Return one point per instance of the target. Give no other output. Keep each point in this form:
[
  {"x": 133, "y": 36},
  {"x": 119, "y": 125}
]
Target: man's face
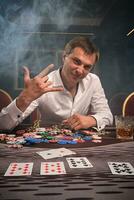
[{"x": 77, "y": 65}]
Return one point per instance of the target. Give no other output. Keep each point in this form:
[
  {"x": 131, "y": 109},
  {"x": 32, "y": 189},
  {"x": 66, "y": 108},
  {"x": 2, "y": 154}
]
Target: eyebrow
[{"x": 86, "y": 65}]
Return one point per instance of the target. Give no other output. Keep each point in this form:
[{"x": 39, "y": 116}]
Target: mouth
[{"x": 76, "y": 78}]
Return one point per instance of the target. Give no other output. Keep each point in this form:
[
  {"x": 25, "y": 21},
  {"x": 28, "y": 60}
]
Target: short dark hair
[{"x": 83, "y": 42}]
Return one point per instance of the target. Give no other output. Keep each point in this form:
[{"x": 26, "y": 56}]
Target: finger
[
  {"x": 51, "y": 89},
  {"x": 78, "y": 127},
  {"x": 65, "y": 121},
  {"x": 26, "y": 75},
  {"x": 45, "y": 79},
  {"x": 72, "y": 120},
  {"x": 45, "y": 71},
  {"x": 74, "y": 125}
]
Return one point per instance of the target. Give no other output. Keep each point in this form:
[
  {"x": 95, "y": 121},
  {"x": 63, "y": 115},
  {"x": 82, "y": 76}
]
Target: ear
[{"x": 63, "y": 56}]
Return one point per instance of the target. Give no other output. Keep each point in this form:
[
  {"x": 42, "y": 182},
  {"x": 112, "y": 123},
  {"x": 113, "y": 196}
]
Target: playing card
[
  {"x": 79, "y": 162},
  {"x": 19, "y": 169},
  {"x": 121, "y": 168},
  {"x": 65, "y": 152},
  {"x": 52, "y": 168},
  {"x": 55, "y": 153}
]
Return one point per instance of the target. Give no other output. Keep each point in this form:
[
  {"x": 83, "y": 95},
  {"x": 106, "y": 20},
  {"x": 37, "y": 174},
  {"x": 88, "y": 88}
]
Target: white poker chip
[
  {"x": 96, "y": 137},
  {"x": 96, "y": 141},
  {"x": 37, "y": 136},
  {"x": 40, "y": 129}
]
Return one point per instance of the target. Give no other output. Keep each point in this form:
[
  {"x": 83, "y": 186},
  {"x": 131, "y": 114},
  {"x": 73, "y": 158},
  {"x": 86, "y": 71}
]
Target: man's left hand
[{"x": 78, "y": 121}]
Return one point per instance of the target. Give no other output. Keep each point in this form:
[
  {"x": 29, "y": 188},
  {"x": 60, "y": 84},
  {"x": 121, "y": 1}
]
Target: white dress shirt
[{"x": 54, "y": 107}]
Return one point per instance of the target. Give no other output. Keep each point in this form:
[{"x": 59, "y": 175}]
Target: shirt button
[{"x": 18, "y": 116}]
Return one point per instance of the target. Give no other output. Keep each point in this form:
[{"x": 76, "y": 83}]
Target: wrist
[
  {"x": 23, "y": 101},
  {"x": 93, "y": 121}
]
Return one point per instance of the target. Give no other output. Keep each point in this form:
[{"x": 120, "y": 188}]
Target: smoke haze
[{"x": 20, "y": 20}]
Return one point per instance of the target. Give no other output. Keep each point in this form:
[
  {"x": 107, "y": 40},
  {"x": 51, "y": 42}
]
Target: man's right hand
[{"x": 35, "y": 87}]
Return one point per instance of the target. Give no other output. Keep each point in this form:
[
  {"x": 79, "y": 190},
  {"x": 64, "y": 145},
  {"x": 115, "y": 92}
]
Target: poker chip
[
  {"x": 2, "y": 137},
  {"x": 53, "y": 141},
  {"x": 20, "y": 132},
  {"x": 54, "y": 134},
  {"x": 17, "y": 146},
  {"x": 96, "y": 137},
  {"x": 41, "y": 129},
  {"x": 87, "y": 132},
  {"x": 87, "y": 138},
  {"x": 79, "y": 140},
  {"x": 33, "y": 140},
  {"x": 37, "y": 136},
  {"x": 30, "y": 134},
  {"x": 49, "y": 137},
  {"x": 46, "y": 141},
  {"x": 96, "y": 141},
  {"x": 62, "y": 142},
  {"x": 72, "y": 142}
]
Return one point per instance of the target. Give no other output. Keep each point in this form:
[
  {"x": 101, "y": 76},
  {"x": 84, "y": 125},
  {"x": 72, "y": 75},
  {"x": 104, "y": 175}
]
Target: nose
[{"x": 80, "y": 70}]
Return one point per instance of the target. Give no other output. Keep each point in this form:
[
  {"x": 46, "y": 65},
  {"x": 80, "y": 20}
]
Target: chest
[{"x": 64, "y": 103}]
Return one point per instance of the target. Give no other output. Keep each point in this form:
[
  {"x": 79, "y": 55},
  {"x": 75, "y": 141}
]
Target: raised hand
[
  {"x": 35, "y": 87},
  {"x": 39, "y": 84}
]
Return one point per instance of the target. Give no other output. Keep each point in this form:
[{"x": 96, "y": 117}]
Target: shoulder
[
  {"x": 91, "y": 81},
  {"x": 92, "y": 77},
  {"x": 52, "y": 75}
]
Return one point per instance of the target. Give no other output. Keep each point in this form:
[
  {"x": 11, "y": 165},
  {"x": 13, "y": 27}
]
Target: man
[{"x": 70, "y": 95}]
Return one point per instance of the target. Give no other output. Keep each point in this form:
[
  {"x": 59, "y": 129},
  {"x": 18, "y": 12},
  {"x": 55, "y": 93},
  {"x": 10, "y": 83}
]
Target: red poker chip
[
  {"x": 53, "y": 141},
  {"x": 20, "y": 132},
  {"x": 80, "y": 141}
]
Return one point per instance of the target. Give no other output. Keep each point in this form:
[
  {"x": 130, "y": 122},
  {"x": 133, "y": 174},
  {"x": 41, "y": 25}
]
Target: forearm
[
  {"x": 23, "y": 101},
  {"x": 10, "y": 116}
]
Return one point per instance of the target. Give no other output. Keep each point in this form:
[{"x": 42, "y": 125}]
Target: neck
[{"x": 70, "y": 87}]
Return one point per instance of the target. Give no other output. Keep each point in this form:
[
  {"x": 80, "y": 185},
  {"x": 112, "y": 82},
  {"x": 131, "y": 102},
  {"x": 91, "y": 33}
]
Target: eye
[
  {"x": 76, "y": 61},
  {"x": 88, "y": 67}
]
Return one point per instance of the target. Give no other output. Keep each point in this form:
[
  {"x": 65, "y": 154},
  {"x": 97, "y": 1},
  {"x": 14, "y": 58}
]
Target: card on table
[
  {"x": 66, "y": 152},
  {"x": 52, "y": 168},
  {"x": 79, "y": 162},
  {"x": 54, "y": 153},
  {"x": 19, "y": 169},
  {"x": 121, "y": 168}
]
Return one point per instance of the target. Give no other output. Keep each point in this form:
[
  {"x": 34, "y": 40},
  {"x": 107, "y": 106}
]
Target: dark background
[{"x": 33, "y": 33}]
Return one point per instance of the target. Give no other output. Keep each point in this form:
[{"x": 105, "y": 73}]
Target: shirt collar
[{"x": 82, "y": 84}]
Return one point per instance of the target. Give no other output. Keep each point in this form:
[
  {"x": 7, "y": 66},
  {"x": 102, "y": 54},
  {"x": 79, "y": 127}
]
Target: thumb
[
  {"x": 26, "y": 75},
  {"x": 65, "y": 121}
]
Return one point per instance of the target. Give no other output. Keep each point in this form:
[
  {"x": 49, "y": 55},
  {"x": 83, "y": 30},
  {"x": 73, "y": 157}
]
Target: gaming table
[{"x": 97, "y": 183}]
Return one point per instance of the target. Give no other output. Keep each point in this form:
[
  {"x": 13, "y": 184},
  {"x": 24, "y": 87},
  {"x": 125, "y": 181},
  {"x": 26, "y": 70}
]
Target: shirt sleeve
[
  {"x": 99, "y": 107},
  {"x": 11, "y": 116}
]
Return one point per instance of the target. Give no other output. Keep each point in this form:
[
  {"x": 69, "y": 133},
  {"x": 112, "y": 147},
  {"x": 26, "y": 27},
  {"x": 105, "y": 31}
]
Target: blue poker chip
[
  {"x": 72, "y": 142},
  {"x": 87, "y": 138},
  {"x": 29, "y": 140},
  {"x": 62, "y": 142},
  {"x": 77, "y": 135},
  {"x": 45, "y": 141},
  {"x": 34, "y": 140},
  {"x": 79, "y": 132}
]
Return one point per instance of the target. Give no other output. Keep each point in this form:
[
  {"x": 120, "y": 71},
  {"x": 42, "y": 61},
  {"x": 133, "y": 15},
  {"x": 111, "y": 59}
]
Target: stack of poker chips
[{"x": 53, "y": 134}]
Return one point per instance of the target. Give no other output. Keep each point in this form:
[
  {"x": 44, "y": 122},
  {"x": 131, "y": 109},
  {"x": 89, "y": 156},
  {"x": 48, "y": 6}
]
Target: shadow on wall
[
  {"x": 5, "y": 99},
  {"x": 116, "y": 103}
]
